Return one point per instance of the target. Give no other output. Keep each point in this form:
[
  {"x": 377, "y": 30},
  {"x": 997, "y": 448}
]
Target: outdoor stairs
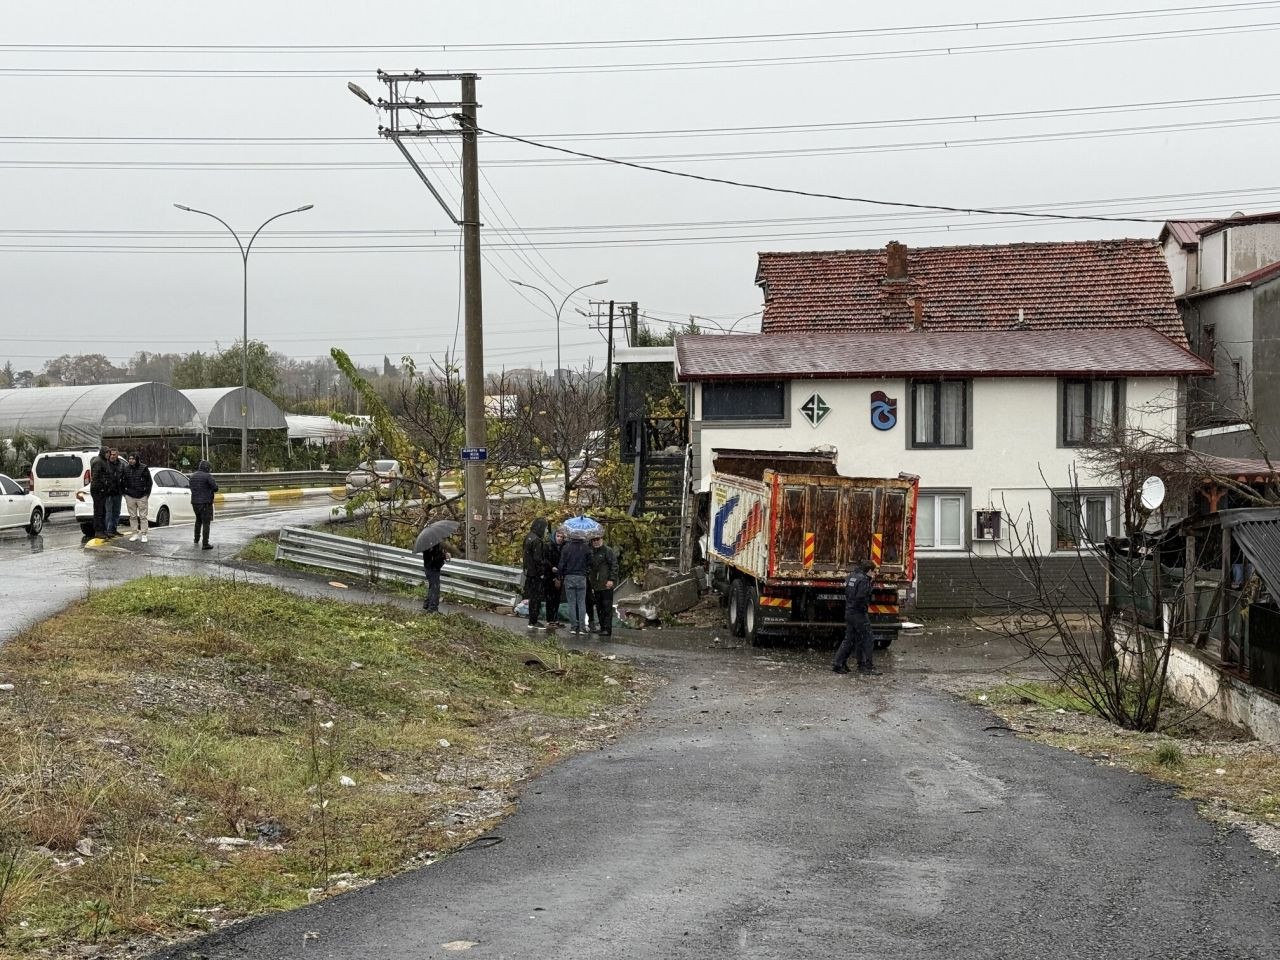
[{"x": 660, "y": 490}]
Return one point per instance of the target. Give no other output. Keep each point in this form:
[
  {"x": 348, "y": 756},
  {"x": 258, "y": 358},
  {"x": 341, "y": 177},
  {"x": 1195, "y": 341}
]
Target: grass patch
[
  {"x": 259, "y": 550},
  {"x": 181, "y": 751}
]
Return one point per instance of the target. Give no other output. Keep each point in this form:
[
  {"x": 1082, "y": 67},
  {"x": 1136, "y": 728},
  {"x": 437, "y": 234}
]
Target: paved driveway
[{"x": 766, "y": 809}]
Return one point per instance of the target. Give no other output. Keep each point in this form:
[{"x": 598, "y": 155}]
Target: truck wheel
[
  {"x": 751, "y": 614},
  {"x": 885, "y": 640},
  {"x": 736, "y": 591}
]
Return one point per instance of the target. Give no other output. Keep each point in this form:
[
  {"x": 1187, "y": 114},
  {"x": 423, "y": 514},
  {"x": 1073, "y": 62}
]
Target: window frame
[
  {"x": 966, "y": 414},
  {"x": 783, "y": 420},
  {"x": 1084, "y": 494},
  {"x": 1117, "y": 406},
  {"x": 963, "y": 494}
]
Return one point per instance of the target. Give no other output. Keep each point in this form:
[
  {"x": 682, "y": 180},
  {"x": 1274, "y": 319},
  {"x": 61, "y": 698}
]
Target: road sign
[{"x": 474, "y": 453}]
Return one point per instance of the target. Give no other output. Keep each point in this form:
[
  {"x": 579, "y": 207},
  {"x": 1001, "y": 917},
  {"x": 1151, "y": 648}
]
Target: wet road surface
[{"x": 766, "y": 808}]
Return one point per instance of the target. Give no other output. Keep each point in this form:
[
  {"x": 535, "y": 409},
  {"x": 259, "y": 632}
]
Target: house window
[
  {"x": 1080, "y": 520},
  {"x": 940, "y": 521},
  {"x": 939, "y": 413},
  {"x": 1089, "y": 409},
  {"x": 745, "y": 400}
]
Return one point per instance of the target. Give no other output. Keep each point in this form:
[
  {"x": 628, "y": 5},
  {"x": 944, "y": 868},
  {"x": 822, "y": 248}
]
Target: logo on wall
[
  {"x": 815, "y": 409},
  {"x": 884, "y": 412}
]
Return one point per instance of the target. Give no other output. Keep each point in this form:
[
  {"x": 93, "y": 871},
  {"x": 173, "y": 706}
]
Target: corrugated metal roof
[
  {"x": 932, "y": 353},
  {"x": 1186, "y": 232},
  {"x": 1257, "y": 532}
]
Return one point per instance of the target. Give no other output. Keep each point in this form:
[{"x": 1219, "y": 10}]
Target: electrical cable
[{"x": 946, "y": 208}]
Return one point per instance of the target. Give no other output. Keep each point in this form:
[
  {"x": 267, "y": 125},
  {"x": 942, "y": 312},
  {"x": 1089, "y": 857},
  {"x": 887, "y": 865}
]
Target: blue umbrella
[{"x": 581, "y": 528}]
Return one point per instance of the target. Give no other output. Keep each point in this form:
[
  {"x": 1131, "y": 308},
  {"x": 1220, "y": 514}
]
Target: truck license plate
[{"x": 831, "y": 596}]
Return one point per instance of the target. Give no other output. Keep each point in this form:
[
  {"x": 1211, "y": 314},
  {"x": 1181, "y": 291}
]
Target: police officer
[{"x": 857, "y": 621}]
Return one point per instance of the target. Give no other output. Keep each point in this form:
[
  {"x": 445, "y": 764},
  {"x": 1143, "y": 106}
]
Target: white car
[
  {"x": 56, "y": 475},
  {"x": 170, "y": 502},
  {"x": 19, "y": 508}
]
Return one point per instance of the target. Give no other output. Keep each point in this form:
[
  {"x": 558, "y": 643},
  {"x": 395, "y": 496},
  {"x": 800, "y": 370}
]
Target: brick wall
[{"x": 960, "y": 585}]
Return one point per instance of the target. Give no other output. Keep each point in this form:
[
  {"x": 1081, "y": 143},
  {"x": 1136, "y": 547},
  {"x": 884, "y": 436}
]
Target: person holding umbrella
[
  {"x": 430, "y": 544},
  {"x": 575, "y": 566}
]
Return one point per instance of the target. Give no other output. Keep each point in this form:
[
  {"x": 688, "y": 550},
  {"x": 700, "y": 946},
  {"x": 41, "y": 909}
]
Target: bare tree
[{"x": 566, "y": 417}]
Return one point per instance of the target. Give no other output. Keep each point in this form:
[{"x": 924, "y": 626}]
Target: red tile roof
[
  {"x": 1079, "y": 285},
  {"x": 1134, "y": 352}
]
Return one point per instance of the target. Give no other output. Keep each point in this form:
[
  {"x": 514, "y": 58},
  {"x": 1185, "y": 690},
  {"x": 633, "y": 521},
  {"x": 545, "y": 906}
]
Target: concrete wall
[
  {"x": 1011, "y": 464},
  {"x": 1213, "y": 259},
  {"x": 1250, "y": 247},
  {"x": 1232, "y": 317},
  {"x": 1265, "y": 387},
  {"x": 1182, "y": 265},
  {"x": 1198, "y": 682}
]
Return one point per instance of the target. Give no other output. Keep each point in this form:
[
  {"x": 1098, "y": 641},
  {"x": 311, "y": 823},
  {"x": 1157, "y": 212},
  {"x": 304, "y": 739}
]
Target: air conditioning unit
[{"x": 986, "y": 525}]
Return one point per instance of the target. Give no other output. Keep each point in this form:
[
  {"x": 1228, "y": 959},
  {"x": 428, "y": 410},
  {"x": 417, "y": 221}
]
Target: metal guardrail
[
  {"x": 487, "y": 582},
  {"x": 277, "y": 479}
]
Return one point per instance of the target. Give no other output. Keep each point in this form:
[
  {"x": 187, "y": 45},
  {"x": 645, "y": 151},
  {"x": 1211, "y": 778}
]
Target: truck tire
[
  {"x": 736, "y": 591},
  {"x": 751, "y": 614},
  {"x": 885, "y": 640}
]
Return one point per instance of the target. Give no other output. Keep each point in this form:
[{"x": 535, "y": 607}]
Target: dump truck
[{"x": 784, "y": 530}]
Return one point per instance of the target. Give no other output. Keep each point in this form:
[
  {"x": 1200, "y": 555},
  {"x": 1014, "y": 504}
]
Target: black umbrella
[{"x": 434, "y": 533}]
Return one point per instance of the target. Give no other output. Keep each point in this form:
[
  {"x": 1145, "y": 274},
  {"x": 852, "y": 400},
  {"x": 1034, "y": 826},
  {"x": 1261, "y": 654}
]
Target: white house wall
[
  {"x": 1213, "y": 259},
  {"x": 1179, "y": 261},
  {"x": 1013, "y": 462},
  {"x": 1252, "y": 246}
]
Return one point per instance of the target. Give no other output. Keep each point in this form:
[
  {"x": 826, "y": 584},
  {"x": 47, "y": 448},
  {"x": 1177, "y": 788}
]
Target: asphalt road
[
  {"x": 41, "y": 575},
  {"x": 767, "y": 808}
]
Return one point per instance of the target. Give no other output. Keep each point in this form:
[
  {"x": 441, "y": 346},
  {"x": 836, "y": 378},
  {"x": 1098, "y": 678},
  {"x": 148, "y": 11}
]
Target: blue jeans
[
  {"x": 113, "y": 512},
  {"x": 575, "y": 592}
]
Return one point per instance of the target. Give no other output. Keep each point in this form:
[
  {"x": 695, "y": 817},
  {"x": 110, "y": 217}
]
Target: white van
[{"x": 58, "y": 475}]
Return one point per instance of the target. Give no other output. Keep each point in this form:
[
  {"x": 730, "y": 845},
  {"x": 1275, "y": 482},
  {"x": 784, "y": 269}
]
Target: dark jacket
[
  {"x": 203, "y": 486},
  {"x": 137, "y": 481},
  {"x": 535, "y": 549},
  {"x": 100, "y": 475},
  {"x": 434, "y": 558},
  {"x": 604, "y": 568},
  {"x": 552, "y": 559},
  {"x": 857, "y": 597},
  {"x": 575, "y": 559}
]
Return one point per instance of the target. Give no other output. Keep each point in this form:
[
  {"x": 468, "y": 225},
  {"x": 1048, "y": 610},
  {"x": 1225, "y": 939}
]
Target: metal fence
[
  {"x": 276, "y": 480},
  {"x": 486, "y": 582}
]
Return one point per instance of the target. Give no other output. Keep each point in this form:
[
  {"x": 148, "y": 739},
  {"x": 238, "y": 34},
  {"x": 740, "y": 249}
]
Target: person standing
[
  {"x": 99, "y": 487},
  {"x": 575, "y": 566},
  {"x": 115, "y": 492},
  {"x": 433, "y": 561},
  {"x": 534, "y": 566},
  {"x": 137, "y": 491},
  {"x": 203, "y": 487},
  {"x": 603, "y": 578},
  {"x": 551, "y": 583},
  {"x": 857, "y": 622}
]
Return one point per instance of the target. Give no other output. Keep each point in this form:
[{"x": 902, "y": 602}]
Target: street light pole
[
  {"x": 244, "y": 339},
  {"x": 559, "y": 309}
]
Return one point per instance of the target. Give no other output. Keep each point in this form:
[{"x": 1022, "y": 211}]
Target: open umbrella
[
  {"x": 434, "y": 533},
  {"x": 581, "y": 528}
]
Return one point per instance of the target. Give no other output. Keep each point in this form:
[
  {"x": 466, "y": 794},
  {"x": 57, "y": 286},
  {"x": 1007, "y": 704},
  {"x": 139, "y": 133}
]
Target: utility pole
[
  {"x": 398, "y": 102},
  {"x": 608, "y": 369},
  {"x": 635, "y": 323}
]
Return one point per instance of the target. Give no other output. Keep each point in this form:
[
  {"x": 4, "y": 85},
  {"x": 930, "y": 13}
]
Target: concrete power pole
[{"x": 475, "y": 454}]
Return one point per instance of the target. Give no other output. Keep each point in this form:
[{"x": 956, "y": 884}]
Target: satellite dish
[{"x": 1152, "y": 493}]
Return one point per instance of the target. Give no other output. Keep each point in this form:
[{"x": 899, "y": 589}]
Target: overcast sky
[{"x": 389, "y": 284}]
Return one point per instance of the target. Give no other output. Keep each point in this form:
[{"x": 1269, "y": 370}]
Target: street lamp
[
  {"x": 244, "y": 340},
  {"x": 558, "y": 309}
]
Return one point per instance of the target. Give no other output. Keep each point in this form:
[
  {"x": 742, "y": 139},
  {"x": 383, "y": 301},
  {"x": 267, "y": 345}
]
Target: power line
[
  {"x": 678, "y": 65},
  {"x": 682, "y": 132},
  {"x": 817, "y": 194},
  {"x": 722, "y": 39}
]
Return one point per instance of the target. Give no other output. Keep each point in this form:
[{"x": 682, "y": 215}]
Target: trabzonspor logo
[
  {"x": 751, "y": 528},
  {"x": 884, "y": 412}
]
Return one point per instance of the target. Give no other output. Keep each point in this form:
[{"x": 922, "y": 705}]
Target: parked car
[
  {"x": 170, "y": 502},
  {"x": 56, "y": 475},
  {"x": 384, "y": 473},
  {"x": 19, "y": 508}
]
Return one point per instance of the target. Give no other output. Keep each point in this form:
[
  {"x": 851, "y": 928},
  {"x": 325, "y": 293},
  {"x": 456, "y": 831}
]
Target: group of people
[
  {"x": 117, "y": 485},
  {"x": 579, "y": 572}
]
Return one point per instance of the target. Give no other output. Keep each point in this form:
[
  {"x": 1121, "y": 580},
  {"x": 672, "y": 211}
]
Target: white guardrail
[{"x": 486, "y": 582}]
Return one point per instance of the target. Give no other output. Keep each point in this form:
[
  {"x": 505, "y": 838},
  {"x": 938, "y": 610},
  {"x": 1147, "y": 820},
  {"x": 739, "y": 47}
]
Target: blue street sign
[{"x": 474, "y": 453}]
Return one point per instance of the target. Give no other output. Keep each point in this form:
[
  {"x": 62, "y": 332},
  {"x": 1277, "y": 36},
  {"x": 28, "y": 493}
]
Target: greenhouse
[
  {"x": 219, "y": 409},
  {"x": 86, "y": 416}
]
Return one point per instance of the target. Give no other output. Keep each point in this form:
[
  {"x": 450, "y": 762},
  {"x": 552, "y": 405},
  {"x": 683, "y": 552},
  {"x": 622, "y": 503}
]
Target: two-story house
[
  {"x": 1224, "y": 277},
  {"x": 983, "y": 370}
]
